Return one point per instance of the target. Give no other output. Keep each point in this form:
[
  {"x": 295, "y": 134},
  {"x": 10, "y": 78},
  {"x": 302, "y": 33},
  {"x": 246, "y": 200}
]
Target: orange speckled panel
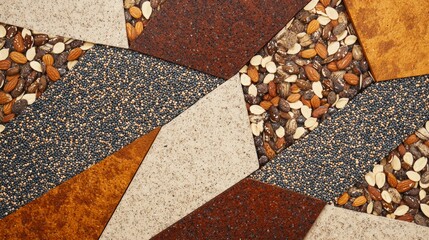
[
  {"x": 81, "y": 207},
  {"x": 394, "y": 35}
]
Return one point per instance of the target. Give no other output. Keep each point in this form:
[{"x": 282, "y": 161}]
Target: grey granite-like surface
[
  {"x": 98, "y": 21},
  {"x": 338, "y": 223},
  {"x": 110, "y": 98},
  {"x": 201, "y": 153},
  {"x": 342, "y": 149}
]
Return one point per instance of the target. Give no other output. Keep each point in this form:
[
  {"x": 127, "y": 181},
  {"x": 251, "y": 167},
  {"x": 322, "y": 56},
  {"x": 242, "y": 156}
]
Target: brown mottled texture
[
  {"x": 216, "y": 37},
  {"x": 249, "y": 210},
  {"x": 394, "y": 36},
  {"x": 81, "y": 207}
]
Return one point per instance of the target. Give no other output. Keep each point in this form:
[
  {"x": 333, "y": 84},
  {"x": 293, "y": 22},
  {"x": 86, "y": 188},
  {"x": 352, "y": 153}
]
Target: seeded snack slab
[
  {"x": 82, "y": 206},
  {"x": 342, "y": 149},
  {"x": 109, "y": 99},
  {"x": 394, "y": 36},
  {"x": 247, "y": 210},
  {"x": 216, "y": 37}
]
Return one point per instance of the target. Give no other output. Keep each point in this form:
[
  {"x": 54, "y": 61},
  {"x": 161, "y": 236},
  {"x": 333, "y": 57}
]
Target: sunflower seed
[
  {"x": 408, "y": 158},
  {"x": 256, "y": 109},
  {"x": 350, "y": 40},
  {"x": 271, "y": 67},
  {"x": 245, "y": 80},
  {"x": 396, "y": 163},
  {"x": 300, "y": 131},
  {"x": 295, "y": 49},
  {"x": 370, "y": 178},
  {"x": 312, "y": 4},
  {"x": 333, "y": 47},
  {"x": 146, "y": 9},
  {"x": 401, "y": 210},
  {"x": 256, "y": 60},
  {"x": 413, "y": 176},
  {"x": 425, "y": 209},
  {"x": 420, "y": 164},
  {"x": 386, "y": 196},
  {"x": 30, "y": 54},
  {"x": 58, "y": 48},
  {"x": 4, "y": 53},
  {"x": 380, "y": 179},
  {"x": 332, "y": 13},
  {"x": 36, "y": 66}
]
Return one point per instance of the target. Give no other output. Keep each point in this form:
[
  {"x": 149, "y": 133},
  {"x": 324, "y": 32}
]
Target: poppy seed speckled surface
[
  {"x": 342, "y": 149},
  {"x": 110, "y": 98}
]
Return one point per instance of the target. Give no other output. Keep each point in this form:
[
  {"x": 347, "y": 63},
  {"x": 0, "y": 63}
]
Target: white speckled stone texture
[
  {"x": 339, "y": 223},
  {"x": 98, "y": 21},
  {"x": 198, "y": 155}
]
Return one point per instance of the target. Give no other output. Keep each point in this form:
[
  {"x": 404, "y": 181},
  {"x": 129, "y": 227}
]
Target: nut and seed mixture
[
  {"x": 398, "y": 186},
  {"x": 29, "y": 63},
  {"x": 137, "y": 15},
  {"x": 312, "y": 68}
]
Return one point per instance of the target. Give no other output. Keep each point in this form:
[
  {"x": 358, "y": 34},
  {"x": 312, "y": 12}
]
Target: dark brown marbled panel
[
  {"x": 249, "y": 210},
  {"x": 215, "y": 37}
]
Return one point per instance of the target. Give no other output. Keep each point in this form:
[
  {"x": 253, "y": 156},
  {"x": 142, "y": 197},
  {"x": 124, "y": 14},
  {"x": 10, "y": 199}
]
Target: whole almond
[
  {"x": 405, "y": 185},
  {"x": 74, "y": 54},
  {"x": 252, "y": 72},
  {"x": 135, "y": 12},
  {"x": 8, "y": 118},
  {"x": 308, "y": 53},
  {"x": 325, "y": 2},
  {"x": 10, "y": 85},
  {"x": 374, "y": 193},
  {"x": 391, "y": 179},
  {"x": 359, "y": 201},
  {"x": 18, "y": 57},
  {"x": 408, "y": 217},
  {"x": 411, "y": 139},
  {"x": 312, "y": 73},
  {"x": 345, "y": 62},
  {"x": 5, "y": 64},
  {"x": 52, "y": 73},
  {"x": 294, "y": 97},
  {"x": 265, "y": 105},
  {"x": 332, "y": 66},
  {"x": 131, "y": 32},
  {"x": 321, "y": 50},
  {"x": 320, "y": 7},
  {"x": 351, "y": 79},
  {"x": 5, "y": 97},
  {"x": 343, "y": 199},
  {"x": 18, "y": 43},
  {"x": 313, "y": 26},
  {"x": 7, "y": 109},
  {"x": 139, "y": 27},
  {"x": 315, "y": 102},
  {"x": 48, "y": 59},
  {"x": 306, "y": 102}
]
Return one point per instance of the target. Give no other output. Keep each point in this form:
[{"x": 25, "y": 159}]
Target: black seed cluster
[
  {"x": 110, "y": 98},
  {"x": 342, "y": 149}
]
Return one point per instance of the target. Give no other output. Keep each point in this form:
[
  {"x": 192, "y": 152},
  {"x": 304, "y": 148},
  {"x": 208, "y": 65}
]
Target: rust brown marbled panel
[
  {"x": 249, "y": 210},
  {"x": 394, "y": 36},
  {"x": 80, "y": 207},
  {"x": 215, "y": 37}
]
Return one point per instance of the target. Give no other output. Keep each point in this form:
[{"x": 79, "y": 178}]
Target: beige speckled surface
[
  {"x": 98, "y": 21},
  {"x": 195, "y": 157},
  {"x": 339, "y": 223}
]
